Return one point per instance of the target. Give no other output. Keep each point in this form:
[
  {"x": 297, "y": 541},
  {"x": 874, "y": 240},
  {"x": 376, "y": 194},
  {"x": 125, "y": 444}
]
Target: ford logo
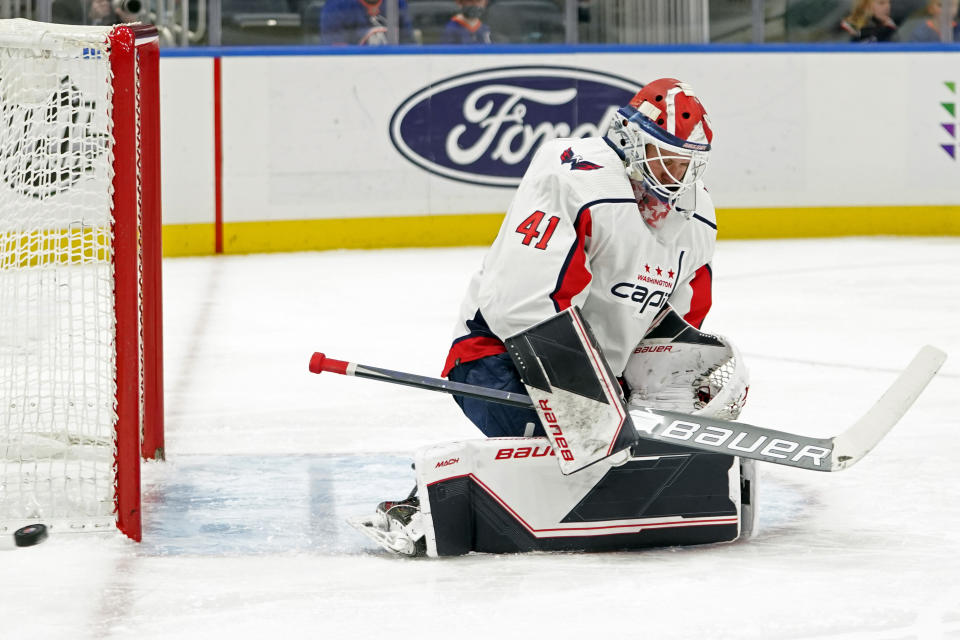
[{"x": 483, "y": 127}]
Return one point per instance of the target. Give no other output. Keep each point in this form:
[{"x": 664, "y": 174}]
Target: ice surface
[{"x": 244, "y": 524}]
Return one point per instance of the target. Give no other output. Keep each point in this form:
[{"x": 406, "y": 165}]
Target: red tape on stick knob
[{"x": 320, "y": 363}]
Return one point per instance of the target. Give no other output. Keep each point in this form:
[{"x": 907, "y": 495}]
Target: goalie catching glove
[{"x": 692, "y": 372}]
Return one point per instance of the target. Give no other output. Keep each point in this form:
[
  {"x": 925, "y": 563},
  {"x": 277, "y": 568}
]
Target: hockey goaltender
[{"x": 608, "y": 414}]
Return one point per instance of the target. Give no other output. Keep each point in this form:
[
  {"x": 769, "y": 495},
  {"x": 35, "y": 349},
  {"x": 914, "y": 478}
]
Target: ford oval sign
[{"x": 483, "y": 127}]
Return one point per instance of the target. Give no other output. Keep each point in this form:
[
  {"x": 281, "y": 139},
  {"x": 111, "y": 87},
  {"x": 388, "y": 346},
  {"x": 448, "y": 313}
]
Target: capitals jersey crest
[{"x": 576, "y": 162}]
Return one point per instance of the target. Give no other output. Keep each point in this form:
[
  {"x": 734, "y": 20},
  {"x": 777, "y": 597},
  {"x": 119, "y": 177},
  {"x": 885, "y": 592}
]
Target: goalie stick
[{"x": 715, "y": 435}]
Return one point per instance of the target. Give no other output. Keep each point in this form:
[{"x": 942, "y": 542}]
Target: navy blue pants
[{"x": 494, "y": 419}]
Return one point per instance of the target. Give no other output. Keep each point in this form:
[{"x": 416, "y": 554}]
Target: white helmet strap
[{"x": 650, "y": 110}]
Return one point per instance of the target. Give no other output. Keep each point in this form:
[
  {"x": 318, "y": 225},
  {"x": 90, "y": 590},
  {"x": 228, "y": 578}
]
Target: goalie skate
[{"x": 396, "y": 526}]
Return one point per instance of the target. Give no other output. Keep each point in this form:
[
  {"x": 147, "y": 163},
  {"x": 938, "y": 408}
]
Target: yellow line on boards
[
  {"x": 79, "y": 244},
  {"x": 188, "y": 239},
  {"x": 823, "y": 222},
  {"x": 340, "y": 233},
  {"x": 460, "y": 230}
]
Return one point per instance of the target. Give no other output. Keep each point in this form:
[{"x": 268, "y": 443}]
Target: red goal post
[{"x": 81, "y": 366}]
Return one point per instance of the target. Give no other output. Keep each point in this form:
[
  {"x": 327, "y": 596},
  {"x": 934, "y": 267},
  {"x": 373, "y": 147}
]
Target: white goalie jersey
[{"x": 574, "y": 234}]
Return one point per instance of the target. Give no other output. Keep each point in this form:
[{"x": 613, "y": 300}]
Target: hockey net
[{"x": 80, "y": 339}]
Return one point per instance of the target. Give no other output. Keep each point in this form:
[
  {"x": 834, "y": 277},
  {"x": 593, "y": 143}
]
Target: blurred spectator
[
  {"x": 67, "y": 12},
  {"x": 362, "y": 22},
  {"x": 929, "y": 30},
  {"x": 100, "y": 12},
  {"x": 870, "y": 21},
  {"x": 467, "y": 27},
  {"x": 107, "y": 13}
]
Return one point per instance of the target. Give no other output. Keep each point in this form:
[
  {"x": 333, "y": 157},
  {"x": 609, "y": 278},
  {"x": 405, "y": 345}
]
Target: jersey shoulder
[{"x": 587, "y": 166}]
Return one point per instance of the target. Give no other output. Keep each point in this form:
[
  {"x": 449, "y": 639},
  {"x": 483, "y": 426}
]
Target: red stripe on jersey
[
  {"x": 702, "y": 300},
  {"x": 574, "y": 276},
  {"x": 471, "y": 349}
]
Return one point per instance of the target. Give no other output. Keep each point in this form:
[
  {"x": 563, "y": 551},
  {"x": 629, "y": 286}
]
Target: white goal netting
[{"x": 57, "y": 347}]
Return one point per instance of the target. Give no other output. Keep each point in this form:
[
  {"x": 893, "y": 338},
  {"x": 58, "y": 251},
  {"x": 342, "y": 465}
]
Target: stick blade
[{"x": 854, "y": 443}]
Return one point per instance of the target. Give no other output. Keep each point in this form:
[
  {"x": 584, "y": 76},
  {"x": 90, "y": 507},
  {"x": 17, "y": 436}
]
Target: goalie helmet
[
  {"x": 664, "y": 138},
  {"x": 703, "y": 375}
]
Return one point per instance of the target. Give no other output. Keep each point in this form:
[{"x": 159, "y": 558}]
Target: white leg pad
[{"x": 520, "y": 480}]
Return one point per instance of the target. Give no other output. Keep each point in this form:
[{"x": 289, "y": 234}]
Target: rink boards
[{"x": 298, "y": 149}]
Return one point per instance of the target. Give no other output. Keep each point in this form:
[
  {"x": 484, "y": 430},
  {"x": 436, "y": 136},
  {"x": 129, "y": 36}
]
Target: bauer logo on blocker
[{"x": 483, "y": 127}]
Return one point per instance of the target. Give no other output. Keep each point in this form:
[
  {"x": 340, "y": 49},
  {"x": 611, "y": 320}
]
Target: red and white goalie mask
[{"x": 664, "y": 138}]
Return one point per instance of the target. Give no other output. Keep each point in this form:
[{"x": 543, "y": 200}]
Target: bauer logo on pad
[{"x": 483, "y": 127}]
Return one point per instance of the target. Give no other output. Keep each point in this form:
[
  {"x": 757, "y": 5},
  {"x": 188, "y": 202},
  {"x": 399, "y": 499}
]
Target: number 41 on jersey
[{"x": 530, "y": 229}]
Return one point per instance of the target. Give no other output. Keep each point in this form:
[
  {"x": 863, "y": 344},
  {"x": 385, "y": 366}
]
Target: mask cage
[{"x": 631, "y": 131}]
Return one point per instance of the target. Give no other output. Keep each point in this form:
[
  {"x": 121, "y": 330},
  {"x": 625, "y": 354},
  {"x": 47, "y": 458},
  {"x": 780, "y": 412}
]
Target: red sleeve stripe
[
  {"x": 702, "y": 299},
  {"x": 574, "y": 276},
  {"x": 471, "y": 348}
]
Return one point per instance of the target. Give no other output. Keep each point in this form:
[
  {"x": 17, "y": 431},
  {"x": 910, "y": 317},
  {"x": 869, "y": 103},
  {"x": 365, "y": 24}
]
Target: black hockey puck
[{"x": 30, "y": 535}]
